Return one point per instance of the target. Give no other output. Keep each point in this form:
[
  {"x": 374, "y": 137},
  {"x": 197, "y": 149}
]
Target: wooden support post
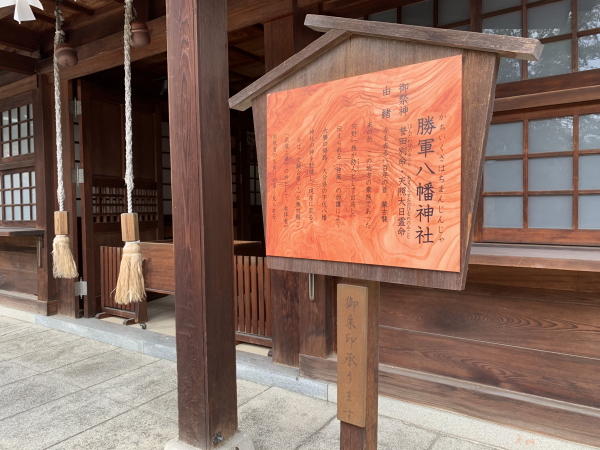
[
  {"x": 202, "y": 225},
  {"x": 284, "y": 37},
  {"x": 43, "y": 118},
  {"x": 358, "y": 363}
]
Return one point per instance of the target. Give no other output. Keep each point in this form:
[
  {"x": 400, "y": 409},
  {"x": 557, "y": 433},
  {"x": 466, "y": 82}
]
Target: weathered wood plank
[
  {"x": 551, "y": 375},
  {"x": 14, "y": 62},
  {"x": 507, "y": 46},
  {"x": 19, "y": 87},
  {"x": 554, "y": 418}
]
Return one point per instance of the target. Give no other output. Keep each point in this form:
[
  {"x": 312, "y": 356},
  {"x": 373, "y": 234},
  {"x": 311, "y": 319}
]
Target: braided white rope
[
  {"x": 128, "y": 120},
  {"x": 59, "y": 36}
]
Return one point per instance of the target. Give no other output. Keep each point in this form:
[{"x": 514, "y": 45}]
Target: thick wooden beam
[
  {"x": 21, "y": 38},
  {"x": 202, "y": 225},
  {"x": 243, "y": 13},
  {"x": 19, "y": 87},
  {"x": 15, "y": 62},
  {"x": 107, "y": 53}
]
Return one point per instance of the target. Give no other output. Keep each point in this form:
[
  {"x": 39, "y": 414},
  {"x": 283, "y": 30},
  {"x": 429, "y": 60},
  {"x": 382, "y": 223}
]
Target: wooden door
[{"x": 103, "y": 194}]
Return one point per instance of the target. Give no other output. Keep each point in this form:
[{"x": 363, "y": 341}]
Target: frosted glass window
[
  {"x": 14, "y": 132},
  {"x": 548, "y": 20},
  {"x": 551, "y": 135},
  {"x": 24, "y": 113},
  {"x": 25, "y": 178},
  {"x": 589, "y": 212},
  {"x": 551, "y": 211},
  {"x": 6, "y": 134},
  {"x": 588, "y": 15},
  {"x": 589, "y": 132},
  {"x": 8, "y": 213},
  {"x": 5, "y": 120},
  {"x": 450, "y": 11},
  {"x": 26, "y": 197},
  {"x": 551, "y": 174},
  {"x": 508, "y": 25},
  {"x": 5, "y": 150},
  {"x": 7, "y": 182},
  {"x": 17, "y": 212},
  {"x": 503, "y": 212},
  {"x": 14, "y": 148},
  {"x": 26, "y": 213},
  {"x": 418, "y": 14},
  {"x": 24, "y": 129},
  {"x": 589, "y": 52},
  {"x": 16, "y": 180},
  {"x": 497, "y": 5},
  {"x": 589, "y": 172},
  {"x": 24, "y": 147},
  {"x": 385, "y": 16},
  {"x": 555, "y": 60},
  {"x": 503, "y": 176},
  {"x": 505, "y": 139},
  {"x": 14, "y": 115}
]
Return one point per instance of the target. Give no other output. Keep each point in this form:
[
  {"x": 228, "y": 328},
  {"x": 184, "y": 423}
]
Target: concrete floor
[{"x": 63, "y": 391}]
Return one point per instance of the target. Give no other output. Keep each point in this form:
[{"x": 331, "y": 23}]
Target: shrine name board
[{"x": 367, "y": 169}]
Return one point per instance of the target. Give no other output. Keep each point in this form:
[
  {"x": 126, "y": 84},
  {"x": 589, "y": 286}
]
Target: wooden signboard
[
  {"x": 370, "y": 145},
  {"x": 367, "y": 169}
]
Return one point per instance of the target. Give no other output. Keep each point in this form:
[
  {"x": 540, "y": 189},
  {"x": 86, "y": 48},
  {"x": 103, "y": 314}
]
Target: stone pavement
[{"x": 61, "y": 391}]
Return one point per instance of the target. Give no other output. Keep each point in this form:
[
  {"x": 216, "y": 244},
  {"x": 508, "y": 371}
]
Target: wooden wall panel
[
  {"x": 534, "y": 324},
  {"x": 144, "y": 166},
  {"x": 18, "y": 270},
  {"x": 107, "y": 154},
  {"x": 546, "y": 374}
]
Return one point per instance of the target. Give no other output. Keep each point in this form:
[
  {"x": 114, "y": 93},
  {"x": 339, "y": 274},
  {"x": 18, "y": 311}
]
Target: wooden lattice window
[
  {"x": 18, "y": 197},
  {"x": 17, "y": 131},
  {"x": 542, "y": 178},
  {"x": 108, "y": 203}
]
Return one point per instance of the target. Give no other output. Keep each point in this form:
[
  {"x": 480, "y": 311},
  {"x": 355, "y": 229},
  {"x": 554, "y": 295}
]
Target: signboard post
[{"x": 370, "y": 145}]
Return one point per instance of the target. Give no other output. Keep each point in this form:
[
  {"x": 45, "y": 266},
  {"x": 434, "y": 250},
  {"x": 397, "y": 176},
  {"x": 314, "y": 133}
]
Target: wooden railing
[
  {"x": 252, "y": 300},
  {"x": 251, "y": 289}
]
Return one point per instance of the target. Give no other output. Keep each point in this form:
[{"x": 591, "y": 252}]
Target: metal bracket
[
  {"x": 39, "y": 244},
  {"x": 77, "y": 176},
  {"x": 80, "y": 288},
  {"x": 311, "y": 287},
  {"x": 75, "y": 107},
  {"x": 218, "y": 438}
]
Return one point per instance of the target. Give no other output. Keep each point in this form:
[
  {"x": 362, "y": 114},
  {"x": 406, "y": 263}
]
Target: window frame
[
  {"x": 19, "y": 163},
  {"x": 526, "y": 235}
]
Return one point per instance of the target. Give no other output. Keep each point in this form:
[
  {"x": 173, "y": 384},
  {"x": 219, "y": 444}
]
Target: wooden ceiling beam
[
  {"x": 14, "y": 62},
  {"x": 106, "y": 53},
  {"x": 250, "y": 55},
  {"x": 244, "y": 13},
  {"x": 15, "y": 36}
]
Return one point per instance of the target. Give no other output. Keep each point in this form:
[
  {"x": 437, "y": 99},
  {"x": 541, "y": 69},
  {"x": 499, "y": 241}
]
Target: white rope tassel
[
  {"x": 128, "y": 115},
  {"x": 130, "y": 285},
  {"x": 63, "y": 264}
]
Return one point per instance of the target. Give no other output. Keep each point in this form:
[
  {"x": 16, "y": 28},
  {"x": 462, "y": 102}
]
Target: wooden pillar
[
  {"x": 68, "y": 304},
  {"x": 296, "y": 321},
  {"x": 202, "y": 222},
  {"x": 358, "y": 363},
  {"x": 43, "y": 117}
]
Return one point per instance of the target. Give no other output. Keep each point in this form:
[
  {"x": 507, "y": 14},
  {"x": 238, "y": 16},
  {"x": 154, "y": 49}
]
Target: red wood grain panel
[{"x": 367, "y": 169}]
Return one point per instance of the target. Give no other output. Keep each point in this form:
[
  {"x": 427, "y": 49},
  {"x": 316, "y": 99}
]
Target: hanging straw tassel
[
  {"x": 130, "y": 285},
  {"x": 63, "y": 264}
]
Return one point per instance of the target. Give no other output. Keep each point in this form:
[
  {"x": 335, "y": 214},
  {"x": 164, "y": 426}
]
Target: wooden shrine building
[{"x": 519, "y": 346}]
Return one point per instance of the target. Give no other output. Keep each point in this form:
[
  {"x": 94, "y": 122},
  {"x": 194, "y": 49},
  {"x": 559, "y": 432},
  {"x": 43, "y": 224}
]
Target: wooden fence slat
[
  {"x": 268, "y": 300},
  {"x": 253, "y": 294},
  {"x": 246, "y": 260},
  {"x": 236, "y": 312},
  {"x": 240, "y": 293},
  {"x": 260, "y": 294}
]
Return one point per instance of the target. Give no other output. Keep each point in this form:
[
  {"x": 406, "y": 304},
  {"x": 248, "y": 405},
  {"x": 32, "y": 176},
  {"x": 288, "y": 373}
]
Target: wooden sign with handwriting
[{"x": 367, "y": 169}]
